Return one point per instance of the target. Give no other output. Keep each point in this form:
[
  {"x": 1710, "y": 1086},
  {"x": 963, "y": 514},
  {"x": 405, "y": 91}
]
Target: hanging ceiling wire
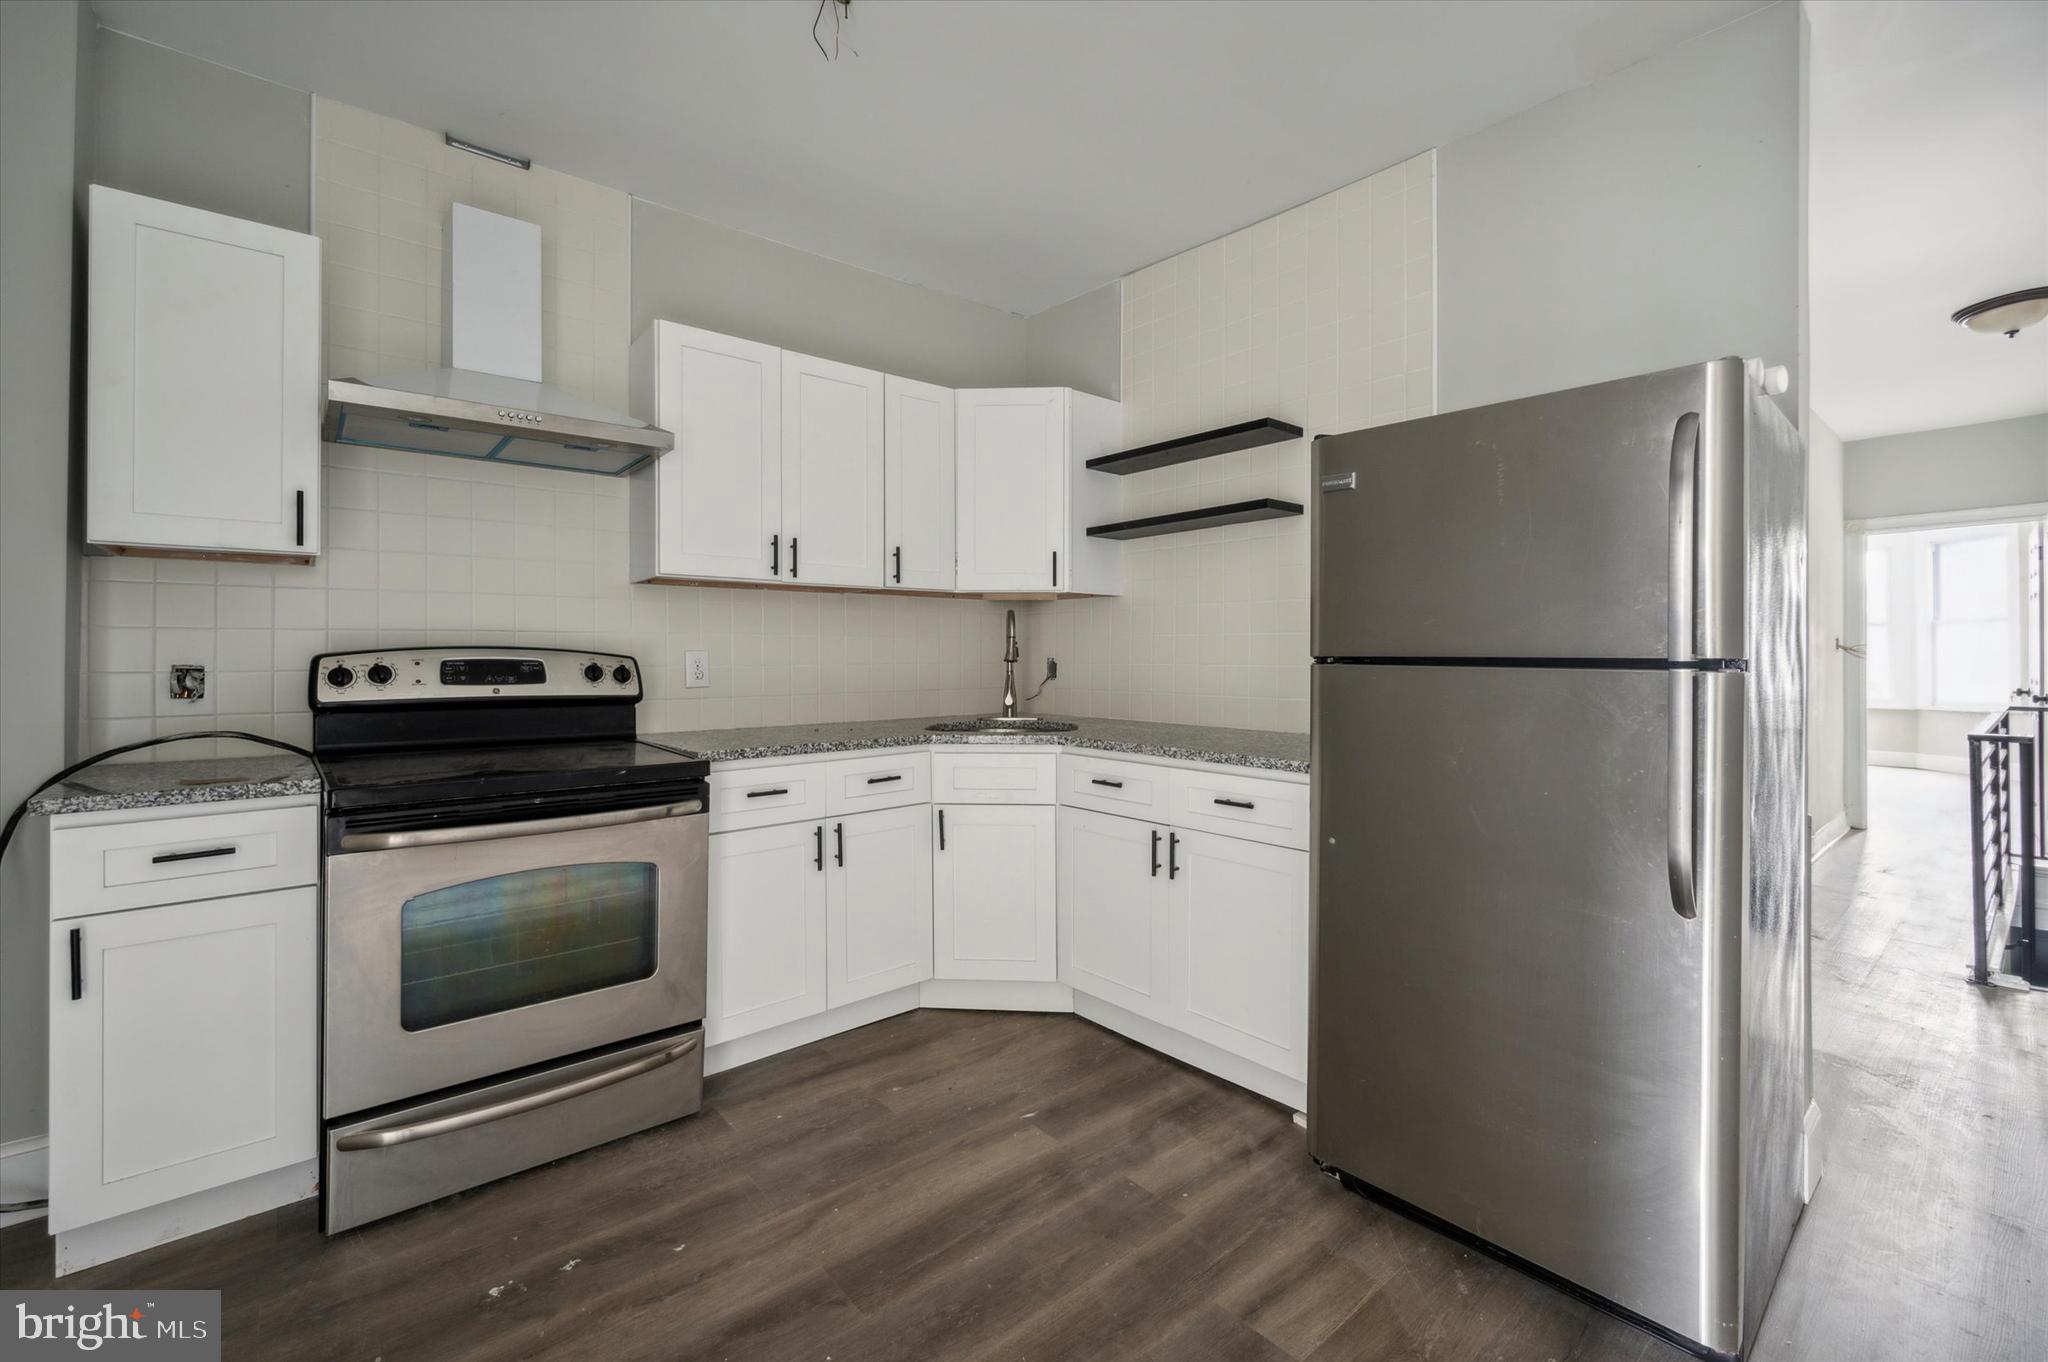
[{"x": 842, "y": 14}]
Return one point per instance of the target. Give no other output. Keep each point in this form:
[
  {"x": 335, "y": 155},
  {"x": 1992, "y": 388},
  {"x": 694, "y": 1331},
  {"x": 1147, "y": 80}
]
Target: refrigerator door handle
[
  {"x": 1681, "y": 815},
  {"x": 1685, "y": 556}
]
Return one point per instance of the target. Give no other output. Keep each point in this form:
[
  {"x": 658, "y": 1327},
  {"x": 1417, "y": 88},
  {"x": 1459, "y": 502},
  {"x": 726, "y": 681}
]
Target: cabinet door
[
  {"x": 1012, "y": 461},
  {"x": 831, "y": 472},
  {"x": 766, "y": 948},
  {"x": 1113, "y": 910},
  {"x": 1239, "y": 947},
  {"x": 189, "y": 1058},
  {"x": 918, "y": 434},
  {"x": 203, "y": 394},
  {"x": 718, "y": 494},
  {"x": 994, "y": 900},
  {"x": 878, "y": 910}
]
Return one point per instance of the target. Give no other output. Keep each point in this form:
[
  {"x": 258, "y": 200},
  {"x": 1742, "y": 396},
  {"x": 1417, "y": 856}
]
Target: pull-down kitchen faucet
[{"x": 1010, "y": 668}]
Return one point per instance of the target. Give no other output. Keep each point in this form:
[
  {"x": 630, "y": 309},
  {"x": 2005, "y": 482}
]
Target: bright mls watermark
[{"x": 174, "y": 1326}]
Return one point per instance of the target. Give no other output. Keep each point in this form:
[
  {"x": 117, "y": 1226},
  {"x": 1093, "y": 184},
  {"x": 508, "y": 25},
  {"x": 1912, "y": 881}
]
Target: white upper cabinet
[
  {"x": 918, "y": 430},
  {"x": 832, "y": 469},
  {"x": 1026, "y": 496},
  {"x": 712, "y": 506},
  {"x": 203, "y": 392}
]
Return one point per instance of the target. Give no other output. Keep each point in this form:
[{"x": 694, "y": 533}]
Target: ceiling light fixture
[{"x": 2007, "y": 314}]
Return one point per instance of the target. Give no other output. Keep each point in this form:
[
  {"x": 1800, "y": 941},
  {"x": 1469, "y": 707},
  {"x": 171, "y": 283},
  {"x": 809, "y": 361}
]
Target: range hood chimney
[{"x": 489, "y": 402}]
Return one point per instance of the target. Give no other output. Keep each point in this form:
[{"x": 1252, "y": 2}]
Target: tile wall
[
  {"x": 432, "y": 550},
  {"x": 1322, "y": 316}
]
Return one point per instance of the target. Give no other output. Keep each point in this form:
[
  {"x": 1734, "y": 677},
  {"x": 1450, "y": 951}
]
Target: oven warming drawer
[{"x": 404, "y": 1157}]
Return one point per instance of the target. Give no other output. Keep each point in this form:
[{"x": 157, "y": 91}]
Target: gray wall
[
  {"x": 1824, "y": 605},
  {"x": 1962, "y": 468},
  {"x": 39, "y": 73},
  {"x": 1646, "y": 221},
  {"x": 1079, "y": 344},
  {"x": 174, "y": 127},
  {"x": 692, "y": 271}
]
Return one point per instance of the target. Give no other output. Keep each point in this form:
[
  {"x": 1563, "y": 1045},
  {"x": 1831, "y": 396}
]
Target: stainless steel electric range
[{"x": 514, "y": 920}]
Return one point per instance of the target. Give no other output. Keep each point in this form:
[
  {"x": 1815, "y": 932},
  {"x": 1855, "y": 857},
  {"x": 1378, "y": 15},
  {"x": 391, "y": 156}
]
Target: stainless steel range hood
[{"x": 488, "y": 402}]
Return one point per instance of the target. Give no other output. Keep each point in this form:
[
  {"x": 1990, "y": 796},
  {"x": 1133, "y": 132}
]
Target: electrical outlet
[{"x": 696, "y": 669}]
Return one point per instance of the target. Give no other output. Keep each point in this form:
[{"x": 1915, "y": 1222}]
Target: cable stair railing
[{"x": 2008, "y": 833}]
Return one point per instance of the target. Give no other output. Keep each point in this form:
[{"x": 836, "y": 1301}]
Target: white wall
[
  {"x": 1079, "y": 344},
  {"x": 1824, "y": 610},
  {"x": 1649, "y": 220},
  {"x": 1932, "y": 739},
  {"x": 1962, "y": 468}
]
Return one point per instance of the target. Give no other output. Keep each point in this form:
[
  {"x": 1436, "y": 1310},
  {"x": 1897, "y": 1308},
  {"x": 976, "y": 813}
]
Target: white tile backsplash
[{"x": 1322, "y": 316}]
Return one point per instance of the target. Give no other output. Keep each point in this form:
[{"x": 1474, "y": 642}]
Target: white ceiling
[
  {"x": 1017, "y": 154},
  {"x": 1928, "y": 166}
]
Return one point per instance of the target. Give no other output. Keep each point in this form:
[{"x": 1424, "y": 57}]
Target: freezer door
[
  {"x": 1602, "y": 522},
  {"x": 1514, "y": 1025}
]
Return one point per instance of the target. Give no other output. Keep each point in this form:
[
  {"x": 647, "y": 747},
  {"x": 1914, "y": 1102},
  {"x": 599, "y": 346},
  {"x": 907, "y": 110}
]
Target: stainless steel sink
[{"x": 996, "y": 724}]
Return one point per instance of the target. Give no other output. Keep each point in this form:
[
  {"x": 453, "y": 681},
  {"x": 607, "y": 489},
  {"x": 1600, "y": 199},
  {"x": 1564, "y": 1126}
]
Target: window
[
  {"x": 1972, "y": 620},
  {"x": 1881, "y": 657},
  {"x": 1943, "y": 627}
]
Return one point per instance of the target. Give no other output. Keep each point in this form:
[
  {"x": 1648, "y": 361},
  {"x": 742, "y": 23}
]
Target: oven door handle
[
  {"x": 387, "y": 1136},
  {"x": 532, "y": 827}
]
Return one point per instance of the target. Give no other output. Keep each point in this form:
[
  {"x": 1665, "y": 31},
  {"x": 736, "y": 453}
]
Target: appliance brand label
[
  {"x": 1340, "y": 482},
  {"x": 173, "y": 1326}
]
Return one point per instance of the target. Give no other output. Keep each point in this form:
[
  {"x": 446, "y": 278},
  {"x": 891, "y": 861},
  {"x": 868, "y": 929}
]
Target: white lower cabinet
[
  {"x": 878, "y": 903},
  {"x": 1113, "y": 910},
  {"x": 994, "y": 898},
  {"x": 1238, "y": 948},
  {"x": 766, "y": 943},
  {"x": 182, "y": 1050}
]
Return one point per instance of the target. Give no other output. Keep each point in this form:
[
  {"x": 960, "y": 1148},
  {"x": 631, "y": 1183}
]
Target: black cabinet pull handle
[
  {"x": 77, "y": 963},
  {"x": 1172, "y": 854},
  {"x": 774, "y": 555},
  {"x": 1155, "y": 853},
  {"x": 165, "y": 858},
  {"x": 839, "y": 843},
  {"x": 792, "y": 555},
  {"x": 1235, "y": 803},
  {"x": 819, "y": 831},
  {"x": 942, "y": 829},
  {"x": 882, "y": 780},
  {"x": 763, "y": 794},
  {"x": 1112, "y": 784},
  {"x": 1055, "y": 569},
  {"x": 899, "y": 565},
  {"x": 299, "y": 517}
]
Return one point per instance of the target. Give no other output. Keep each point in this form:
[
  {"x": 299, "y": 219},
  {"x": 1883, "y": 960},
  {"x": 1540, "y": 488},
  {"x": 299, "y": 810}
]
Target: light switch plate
[{"x": 696, "y": 669}]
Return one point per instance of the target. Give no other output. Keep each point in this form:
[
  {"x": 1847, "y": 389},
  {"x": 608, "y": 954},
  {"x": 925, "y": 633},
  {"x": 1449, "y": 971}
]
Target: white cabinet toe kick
[{"x": 1163, "y": 900}]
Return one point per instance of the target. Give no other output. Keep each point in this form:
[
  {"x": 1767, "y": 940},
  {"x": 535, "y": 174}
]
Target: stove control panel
[{"x": 414, "y": 675}]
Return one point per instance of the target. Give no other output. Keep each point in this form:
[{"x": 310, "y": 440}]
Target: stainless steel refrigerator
[{"x": 1559, "y": 992}]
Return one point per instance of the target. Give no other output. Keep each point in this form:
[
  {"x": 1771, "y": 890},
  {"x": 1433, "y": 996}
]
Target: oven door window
[{"x": 513, "y": 940}]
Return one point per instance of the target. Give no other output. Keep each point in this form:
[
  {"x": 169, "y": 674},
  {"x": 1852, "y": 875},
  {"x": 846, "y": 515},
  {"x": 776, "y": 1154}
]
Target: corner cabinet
[
  {"x": 1027, "y": 496},
  {"x": 203, "y": 391}
]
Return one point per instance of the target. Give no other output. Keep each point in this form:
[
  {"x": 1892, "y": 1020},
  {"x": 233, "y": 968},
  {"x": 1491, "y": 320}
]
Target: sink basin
[{"x": 1000, "y": 725}]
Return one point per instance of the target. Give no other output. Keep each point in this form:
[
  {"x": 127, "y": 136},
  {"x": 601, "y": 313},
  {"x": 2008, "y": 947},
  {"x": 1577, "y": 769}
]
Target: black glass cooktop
[{"x": 489, "y": 773}]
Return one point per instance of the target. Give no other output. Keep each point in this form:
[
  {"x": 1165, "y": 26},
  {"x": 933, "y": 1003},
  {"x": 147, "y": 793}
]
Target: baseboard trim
[
  {"x": 1198, "y": 1054},
  {"x": 24, "y": 1176},
  {"x": 730, "y": 1054},
  {"x": 1829, "y": 833},
  {"x": 1921, "y": 761},
  {"x": 106, "y": 1240},
  {"x": 996, "y": 995}
]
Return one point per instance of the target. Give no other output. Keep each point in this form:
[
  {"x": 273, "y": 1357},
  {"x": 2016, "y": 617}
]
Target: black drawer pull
[
  {"x": 899, "y": 564},
  {"x": 942, "y": 829},
  {"x": 839, "y": 843},
  {"x": 792, "y": 556},
  {"x": 1155, "y": 853},
  {"x": 1235, "y": 803},
  {"x": 820, "y": 832},
  {"x": 1172, "y": 854},
  {"x": 1112, "y": 784},
  {"x": 763, "y": 794},
  {"x": 77, "y": 963},
  {"x": 167, "y": 857},
  {"x": 774, "y": 555},
  {"x": 882, "y": 780},
  {"x": 299, "y": 518}
]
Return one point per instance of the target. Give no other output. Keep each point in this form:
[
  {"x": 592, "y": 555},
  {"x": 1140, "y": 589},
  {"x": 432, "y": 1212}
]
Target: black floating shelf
[
  {"x": 1203, "y": 518},
  {"x": 1187, "y": 448}
]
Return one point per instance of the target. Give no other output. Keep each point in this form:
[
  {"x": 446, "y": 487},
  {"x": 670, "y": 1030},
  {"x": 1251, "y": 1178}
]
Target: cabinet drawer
[
  {"x": 761, "y": 796},
  {"x": 993, "y": 778},
  {"x": 1130, "y": 788},
  {"x": 1272, "y": 811},
  {"x": 108, "y": 867},
  {"x": 884, "y": 782}
]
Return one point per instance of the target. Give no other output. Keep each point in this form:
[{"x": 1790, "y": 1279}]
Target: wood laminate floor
[{"x": 999, "y": 1186}]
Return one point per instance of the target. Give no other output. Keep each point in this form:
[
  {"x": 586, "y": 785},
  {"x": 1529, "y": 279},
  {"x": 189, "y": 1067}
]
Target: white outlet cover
[{"x": 696, "y": 669}]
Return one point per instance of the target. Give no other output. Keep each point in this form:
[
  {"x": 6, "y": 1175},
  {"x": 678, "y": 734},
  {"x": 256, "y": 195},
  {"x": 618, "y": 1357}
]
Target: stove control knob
[
  {"x": 340, "y": 677},
  {"x": 593, "y": 673},
  {"x": 622, "y": 673},
  {"x": 379, "y": 674}
]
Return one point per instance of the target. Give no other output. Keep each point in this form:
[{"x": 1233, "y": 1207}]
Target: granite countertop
[
  {"x": 154, "y": 784},
  {"x": 1248, "y": 747}
]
